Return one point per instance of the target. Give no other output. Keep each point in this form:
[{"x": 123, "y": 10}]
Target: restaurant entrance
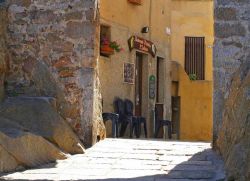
[{"x": 138, "y": 84}]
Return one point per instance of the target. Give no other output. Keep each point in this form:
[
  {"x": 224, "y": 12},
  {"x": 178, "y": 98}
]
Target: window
[
  {"x": 105, "y": 37},
  {"x": 195, "y": 57}
]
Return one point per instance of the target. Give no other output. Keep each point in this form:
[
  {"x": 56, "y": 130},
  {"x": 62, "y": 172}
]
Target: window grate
[{"x": 195, "y": 57}]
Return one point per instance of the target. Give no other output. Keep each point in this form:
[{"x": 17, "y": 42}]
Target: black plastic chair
[
  {"x": 136, "y": 120},
  {"x": 133, "y": 120},
  {"x": 114, "y": 118},
  {"x": 160, "y": 124},
  {"x": 119, "y": 107},
  {"x": 115, "y": 122}
]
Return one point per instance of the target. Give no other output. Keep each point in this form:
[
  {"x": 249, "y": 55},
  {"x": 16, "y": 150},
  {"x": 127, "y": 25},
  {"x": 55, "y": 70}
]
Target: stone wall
[
  {"x": 232, "y": 86},
  {"x": 3, "y": 50},
  {"x": 54, "y": 48}
]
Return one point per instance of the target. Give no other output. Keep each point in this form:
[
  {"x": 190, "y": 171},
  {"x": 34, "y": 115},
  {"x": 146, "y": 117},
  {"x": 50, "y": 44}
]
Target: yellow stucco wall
[
  {"x": 195, "y": 19},
  {"x": 184, "y": 18},
  {"x": 125, "y": 21},
  {"x": 196, "y": 108}
]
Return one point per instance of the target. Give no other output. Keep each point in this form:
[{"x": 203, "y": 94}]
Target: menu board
[{"x": 129, "y": 73}]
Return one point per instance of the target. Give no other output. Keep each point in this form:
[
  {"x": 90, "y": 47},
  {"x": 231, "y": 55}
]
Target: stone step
[
  {"x": 190, "y": 174},
  {"x": 190, "y": 167}
]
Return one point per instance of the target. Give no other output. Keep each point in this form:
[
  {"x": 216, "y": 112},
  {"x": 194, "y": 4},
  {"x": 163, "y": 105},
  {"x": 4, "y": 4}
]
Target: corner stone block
[
  {"x": 226, "y": 30},
  {"x": 226, "y": 14},
  {"x": 76, "y": 30}
]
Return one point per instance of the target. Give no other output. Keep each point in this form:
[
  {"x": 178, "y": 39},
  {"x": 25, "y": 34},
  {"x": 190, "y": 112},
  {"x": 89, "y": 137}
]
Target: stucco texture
[
  {"x": 196, "y": 108},
  {"x": 194, "y": 19},
  {"x": 126, "y": 20}
]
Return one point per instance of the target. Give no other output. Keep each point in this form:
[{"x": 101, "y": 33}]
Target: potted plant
[
  {"x": 108, "y": 48},
  {"x": 192, "y": 77}
]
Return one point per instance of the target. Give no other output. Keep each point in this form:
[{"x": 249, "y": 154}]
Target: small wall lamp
[{"x": 145, "y": 29}]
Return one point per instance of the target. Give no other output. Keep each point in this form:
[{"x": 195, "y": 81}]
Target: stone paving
[{"x": 133, "y": 160}]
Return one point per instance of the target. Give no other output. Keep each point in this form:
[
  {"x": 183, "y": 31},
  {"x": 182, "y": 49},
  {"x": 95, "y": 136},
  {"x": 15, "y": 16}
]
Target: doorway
[
  {"x": 138, "y": 84},
  {"x": 159, "y": 106},
  {"x": 176, "y": 100},
  {"x": 160, "y": 73}
]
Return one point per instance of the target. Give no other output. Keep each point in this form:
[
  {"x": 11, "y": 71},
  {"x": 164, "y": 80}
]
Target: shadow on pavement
[{"x": 206, "y": 165}]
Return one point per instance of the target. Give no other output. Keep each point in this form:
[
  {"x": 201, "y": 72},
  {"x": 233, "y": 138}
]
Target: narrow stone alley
[{"x": 145, "y": 160}]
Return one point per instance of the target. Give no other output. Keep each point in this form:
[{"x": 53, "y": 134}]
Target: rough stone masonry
[
  {"x": 53, "y": 51},
  {"x": 232, "y": 86},
  {"x": 3, "y": 55}
]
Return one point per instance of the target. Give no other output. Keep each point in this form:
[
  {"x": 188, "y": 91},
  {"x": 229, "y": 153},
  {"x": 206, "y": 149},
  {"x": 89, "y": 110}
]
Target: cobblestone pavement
[{"x": 132, "y": 160}]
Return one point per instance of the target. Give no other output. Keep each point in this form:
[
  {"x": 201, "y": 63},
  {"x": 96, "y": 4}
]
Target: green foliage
[
  {"x": 112, "y": 44},
  {"x": 117, "y": 47},
  {"x": 192, "y": 76}
]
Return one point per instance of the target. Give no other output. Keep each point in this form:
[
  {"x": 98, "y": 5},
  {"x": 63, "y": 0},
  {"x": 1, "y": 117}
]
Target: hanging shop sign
[
  {"x": 152, "y": 87},
  {"x": 141, "y": 44}
]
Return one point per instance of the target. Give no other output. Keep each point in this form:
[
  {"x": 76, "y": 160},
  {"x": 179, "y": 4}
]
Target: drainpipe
[{"x": 150, "y": 20}]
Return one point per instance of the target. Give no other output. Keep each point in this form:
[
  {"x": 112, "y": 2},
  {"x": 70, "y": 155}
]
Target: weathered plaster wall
[
  {"x": 54, "y": 50},
  {"x": 126, "y": 20},
  {"x": 194, "y": 19},
  {"x": 231, "y": 86},
  {"x": 196, "y": 106}
]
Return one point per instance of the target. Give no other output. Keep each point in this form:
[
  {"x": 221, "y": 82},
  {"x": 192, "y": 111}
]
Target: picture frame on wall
[{"x": 129, "y": 73}]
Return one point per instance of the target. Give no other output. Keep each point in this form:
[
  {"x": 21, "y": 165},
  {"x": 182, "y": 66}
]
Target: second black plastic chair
[
  {"x": 136, "y": 120},
  {"x": 161, "y": 124}
]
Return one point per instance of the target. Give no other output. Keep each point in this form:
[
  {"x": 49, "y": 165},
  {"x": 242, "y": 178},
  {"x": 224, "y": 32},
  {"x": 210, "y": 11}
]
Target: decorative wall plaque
[
  {"x": 129, "y": 73},
  {"x": 141, "y": 44}
]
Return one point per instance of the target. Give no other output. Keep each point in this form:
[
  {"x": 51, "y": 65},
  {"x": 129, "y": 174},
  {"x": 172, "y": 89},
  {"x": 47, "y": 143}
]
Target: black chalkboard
[{"x": 128, "y": 73}]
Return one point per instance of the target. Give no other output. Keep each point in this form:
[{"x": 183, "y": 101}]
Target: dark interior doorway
[
  {"x": 138, "y": 84},
  {"x": 176, "y": 115},
  {"x": 160, "y": 73}
]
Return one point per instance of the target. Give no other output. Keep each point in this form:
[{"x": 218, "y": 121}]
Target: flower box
[
  {"x": 109, "y": 47},
  {"x": 107, "y": 50},
  {"x": 136, "y": 2}
]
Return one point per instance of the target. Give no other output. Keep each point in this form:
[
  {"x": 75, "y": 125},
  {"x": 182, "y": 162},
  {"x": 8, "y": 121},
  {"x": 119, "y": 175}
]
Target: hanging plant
[
  {"x": 108, "y": 48},
  {"x": 117, "y": 47}
]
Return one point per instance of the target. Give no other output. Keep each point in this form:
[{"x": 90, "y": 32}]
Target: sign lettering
[{"x": 141, "y": 44}]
